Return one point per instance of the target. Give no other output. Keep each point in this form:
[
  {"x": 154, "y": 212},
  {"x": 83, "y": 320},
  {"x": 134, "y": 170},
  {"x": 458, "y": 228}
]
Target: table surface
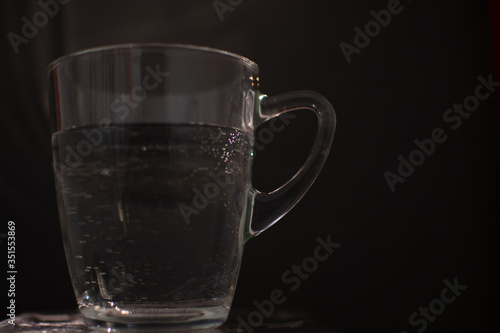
[{"x": 281, "y": 321}]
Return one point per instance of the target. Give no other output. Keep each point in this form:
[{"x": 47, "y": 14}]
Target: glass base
[
  {"x": 281, "y": 321},
  {"x": 154, "y": 319}
]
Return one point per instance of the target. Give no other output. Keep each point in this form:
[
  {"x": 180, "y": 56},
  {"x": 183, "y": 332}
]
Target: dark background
[{"x": 397, "y": 248}]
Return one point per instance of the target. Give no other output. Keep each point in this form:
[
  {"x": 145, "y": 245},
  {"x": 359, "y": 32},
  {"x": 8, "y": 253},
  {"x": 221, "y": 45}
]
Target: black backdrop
[{"x": 397, "y": 247}]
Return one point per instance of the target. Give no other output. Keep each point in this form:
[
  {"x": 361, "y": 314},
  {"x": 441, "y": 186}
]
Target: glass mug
[{"x": 152, "y": 155}]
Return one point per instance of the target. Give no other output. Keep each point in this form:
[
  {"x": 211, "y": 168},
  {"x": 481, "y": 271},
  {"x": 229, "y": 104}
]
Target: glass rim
[{"x": 104, "y": 48}]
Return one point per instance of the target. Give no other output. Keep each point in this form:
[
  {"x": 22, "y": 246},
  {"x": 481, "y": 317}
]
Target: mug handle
[{"x": 269, "y": 207}]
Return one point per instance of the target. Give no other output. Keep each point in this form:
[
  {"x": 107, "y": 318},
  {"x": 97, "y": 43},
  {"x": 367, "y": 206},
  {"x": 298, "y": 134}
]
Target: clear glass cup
[{"x": 152, "y": 155}]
